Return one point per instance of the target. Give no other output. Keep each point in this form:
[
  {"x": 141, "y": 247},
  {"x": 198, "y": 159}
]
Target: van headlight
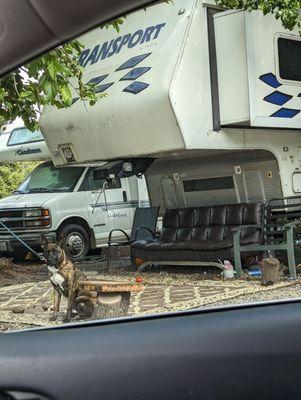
[
  {"x": 39, "y": 217},
  {"x": 33, "y": 223},
  {"x": 33, "y": 213}
]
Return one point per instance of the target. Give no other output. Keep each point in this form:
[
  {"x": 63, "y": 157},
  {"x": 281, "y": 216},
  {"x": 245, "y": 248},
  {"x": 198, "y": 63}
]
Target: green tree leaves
[
  {"x": 287, "y": 11},
  {"x": 47, "y": 80},
  {"x": 53, "y": 69},
  {"x": 12, "y": 174}
]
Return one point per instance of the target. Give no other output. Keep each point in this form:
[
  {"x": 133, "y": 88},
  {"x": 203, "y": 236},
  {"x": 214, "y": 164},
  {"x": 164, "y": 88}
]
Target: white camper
[
  {"x": 213, "y": 96},
  {"x": 82, "y": 203},
  {"x": 22, "y": 145}
]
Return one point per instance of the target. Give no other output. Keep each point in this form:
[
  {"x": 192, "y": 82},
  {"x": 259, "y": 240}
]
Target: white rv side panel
[
  {"x": 232, "y": 68},
  {"x": 190, "y": 93},
  {"x": 126, "y": 123}
]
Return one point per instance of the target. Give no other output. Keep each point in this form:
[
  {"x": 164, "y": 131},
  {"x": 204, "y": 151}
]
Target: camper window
[
  {"x": 23, "y": 135},
  {"x": 289, "y": 56},
  {"x": 200, "y": 185}
]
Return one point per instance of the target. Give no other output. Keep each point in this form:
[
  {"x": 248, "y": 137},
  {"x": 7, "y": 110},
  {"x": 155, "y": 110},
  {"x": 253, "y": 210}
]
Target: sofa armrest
[
  {"x": 237, "y": 231},
  {"x": 292, "y": 224}
]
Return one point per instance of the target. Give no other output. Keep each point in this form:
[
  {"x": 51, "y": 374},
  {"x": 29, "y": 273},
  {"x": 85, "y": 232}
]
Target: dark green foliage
[
  {"x": 46, "y": 81},
  {"x": 287, "y": 11}
]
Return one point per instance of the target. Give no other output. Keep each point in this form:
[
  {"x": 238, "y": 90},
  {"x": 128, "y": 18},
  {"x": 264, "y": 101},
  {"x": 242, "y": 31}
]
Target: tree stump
[
  {"x": 112, "y": 305},
  {"x": 104, "y": 299},
  {"x": 270, "y": 271}
]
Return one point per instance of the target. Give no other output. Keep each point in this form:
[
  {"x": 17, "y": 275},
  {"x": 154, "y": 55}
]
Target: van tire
[{"x": 76, "y": 241}]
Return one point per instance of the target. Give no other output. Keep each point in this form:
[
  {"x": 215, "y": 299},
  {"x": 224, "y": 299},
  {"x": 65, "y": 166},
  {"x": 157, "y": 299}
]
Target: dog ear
[
  {"x": 44, "y": 242},
  {"x": 61, "y": 241}
]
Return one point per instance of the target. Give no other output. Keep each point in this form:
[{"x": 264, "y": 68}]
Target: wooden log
[
  {"x": 270, "y": 271},
  {"x": 111, "y": 305},
  {"x": 110, "y": 286}
]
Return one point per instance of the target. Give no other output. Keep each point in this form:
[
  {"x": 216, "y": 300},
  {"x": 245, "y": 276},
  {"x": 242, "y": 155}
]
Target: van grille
[
  {"x": 7, "y": 214},
  {"x": 11, "y": 213}
]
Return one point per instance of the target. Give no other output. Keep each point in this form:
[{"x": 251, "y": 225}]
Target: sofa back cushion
[{"x": 212, "y": 223}]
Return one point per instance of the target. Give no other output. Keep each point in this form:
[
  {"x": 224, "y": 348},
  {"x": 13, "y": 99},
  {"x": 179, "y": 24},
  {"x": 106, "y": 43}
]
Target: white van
[{"x": 82, "y": 203}]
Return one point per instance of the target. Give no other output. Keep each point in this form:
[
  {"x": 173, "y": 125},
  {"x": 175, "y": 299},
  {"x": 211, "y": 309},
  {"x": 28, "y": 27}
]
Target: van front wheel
[{"x": 76, "y": 241}]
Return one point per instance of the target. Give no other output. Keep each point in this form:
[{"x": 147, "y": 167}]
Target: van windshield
[{"x": 47, "y": 178}]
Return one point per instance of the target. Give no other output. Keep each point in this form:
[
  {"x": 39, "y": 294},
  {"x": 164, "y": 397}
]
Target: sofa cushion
[
  {"x": 196, "y": 245},
  {"x": 202, "y": 245},
  {"x": 156, "y": 244},
  {"x": 182, "y": 255}
]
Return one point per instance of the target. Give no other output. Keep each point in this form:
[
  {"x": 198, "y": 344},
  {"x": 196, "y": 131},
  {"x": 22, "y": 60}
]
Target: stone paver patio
[{"x": 30, "y": 303}]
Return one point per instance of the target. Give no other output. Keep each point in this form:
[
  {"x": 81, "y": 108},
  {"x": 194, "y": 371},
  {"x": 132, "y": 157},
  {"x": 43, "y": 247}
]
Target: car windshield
[
  {"x": 47, "y": 178},
  {"x": 168, "y": 128}
]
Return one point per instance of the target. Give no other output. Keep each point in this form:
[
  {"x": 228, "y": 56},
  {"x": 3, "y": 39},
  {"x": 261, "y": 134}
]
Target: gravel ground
[
  {"x": 203, "y": 282},
  {"x": 5, "y": 326},
  {"x": 291, "y": 292}
]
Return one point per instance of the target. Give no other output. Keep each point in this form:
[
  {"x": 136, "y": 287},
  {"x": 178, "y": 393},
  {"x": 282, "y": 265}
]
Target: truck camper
[
  {"x": 83, "y": 203},
  {"x": 212, "y": 95}
]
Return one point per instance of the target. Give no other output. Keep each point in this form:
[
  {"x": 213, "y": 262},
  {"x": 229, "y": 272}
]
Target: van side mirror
[
  {"x": 113, "y": 183},
  {"x": 100, "y": 174}
]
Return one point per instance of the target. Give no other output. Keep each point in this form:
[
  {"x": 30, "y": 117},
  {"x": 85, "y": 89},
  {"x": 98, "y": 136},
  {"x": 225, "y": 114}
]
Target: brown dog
[{"x": 64, "y": 276}]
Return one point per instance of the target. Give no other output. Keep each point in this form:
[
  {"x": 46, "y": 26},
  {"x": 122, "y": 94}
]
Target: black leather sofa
[{"x": 200, "y": 235}]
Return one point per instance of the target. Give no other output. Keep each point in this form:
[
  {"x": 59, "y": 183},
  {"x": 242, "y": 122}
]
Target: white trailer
[{"x": 213, "y": 96}]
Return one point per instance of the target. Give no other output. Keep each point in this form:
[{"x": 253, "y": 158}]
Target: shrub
[{"x": 12, "y": 174}]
